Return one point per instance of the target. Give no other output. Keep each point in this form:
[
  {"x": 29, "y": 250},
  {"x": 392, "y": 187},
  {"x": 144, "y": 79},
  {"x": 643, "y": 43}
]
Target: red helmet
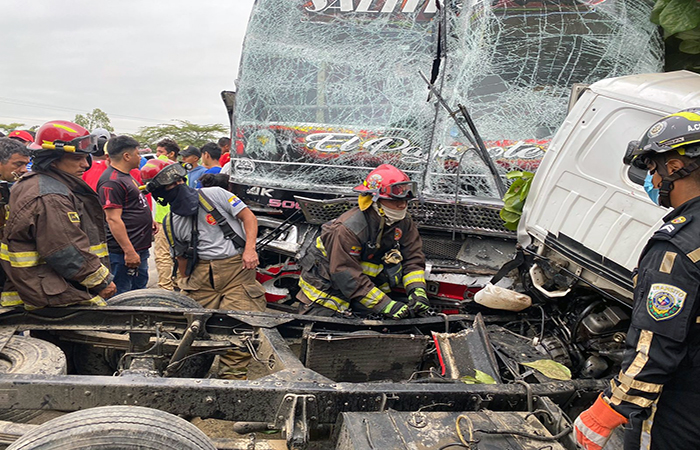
[
  {"x": 64, "y": 136},
  {"x": 157, "y": 173},
  {"x": 386, "y": 181},
  {"x": 21, "y": 135}
]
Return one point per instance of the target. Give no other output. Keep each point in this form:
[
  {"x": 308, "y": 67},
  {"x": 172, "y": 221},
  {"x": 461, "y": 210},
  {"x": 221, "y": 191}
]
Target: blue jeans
[{"x": 122, "y": 279}]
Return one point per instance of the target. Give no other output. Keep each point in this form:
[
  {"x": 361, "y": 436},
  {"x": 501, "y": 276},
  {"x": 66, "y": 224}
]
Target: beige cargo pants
[{"x": 225, "y": 284}]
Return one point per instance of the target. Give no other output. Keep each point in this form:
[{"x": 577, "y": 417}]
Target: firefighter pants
[
  {"x": 225, "y": 284},
  {"x": 164, "y": 262}
]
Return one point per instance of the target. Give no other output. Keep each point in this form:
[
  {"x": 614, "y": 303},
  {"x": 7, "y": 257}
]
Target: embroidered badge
[
  {"x": 374, "y": 181},
  {"x": 397, "y": 234},
  {"x": 210, "y": 219},
  {"x": 665, "y": 301},
  {"x": 355, "y": 251},
  {"x": 679, "y": 219},
  {"x": 73, "y": 217},
  {"x": 234, "y": 201}
]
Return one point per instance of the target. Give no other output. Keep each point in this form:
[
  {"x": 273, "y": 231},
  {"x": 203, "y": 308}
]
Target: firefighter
[
  {"x": 655, "y": 394},
  {"x": 361, "y": 257},
  {"x": 54, "y": 246},
  {"x": 212, "y": 235}
]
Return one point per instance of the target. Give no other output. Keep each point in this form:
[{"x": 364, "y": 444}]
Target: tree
[
  {"x": 7, "y": 127},
  {"x": 183, "y": 132},
  {"x": 95, "y": 119},
  {"x": 680, "y": 20}
]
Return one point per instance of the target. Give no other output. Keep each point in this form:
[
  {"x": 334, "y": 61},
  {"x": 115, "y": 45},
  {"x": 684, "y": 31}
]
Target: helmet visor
[
  {"x": 402, "y": 190},
  {"x": 170, "y": 174},
  {"x": 82, "y": 144}
]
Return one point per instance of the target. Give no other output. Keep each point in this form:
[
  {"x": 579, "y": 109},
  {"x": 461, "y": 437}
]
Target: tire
[
  {"x": 154, "y": 297},
  {"x": 115, "y": 428},
  {"x": 27, "y": 355},
  {"x": 90, "y": 360}
]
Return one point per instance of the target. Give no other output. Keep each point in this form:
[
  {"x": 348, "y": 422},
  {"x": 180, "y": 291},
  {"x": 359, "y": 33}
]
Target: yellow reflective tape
[
  {"x": 651, "y": 388},
  {"x": 64, "y": 127},
  {"x": 99, "y": 250},
  {"x": 417, "y": 276},
  {"x": 373, "y": 297},
  {"x": 206, "y": 204},
  {"x": 694, "y": 256},
  {"x": 10, "y": 298},
  {"x": 620, "y": 395},
  {"x": 96, "y": 278},
  {"x": 371, "y": 269},
  {"x": 95, "y": 301},
  {"x": 642, "y": 354},
  {"x": 321, "y": 247},
  {"x": 20, "y": 259},
  {"x": 667, "y": 262},
  {"x": 385, "y": 288},
  {"x": 322, "y": 298}
]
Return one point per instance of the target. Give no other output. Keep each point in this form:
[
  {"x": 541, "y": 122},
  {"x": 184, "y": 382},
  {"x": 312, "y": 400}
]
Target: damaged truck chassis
[{"x": 300, "y": 383}]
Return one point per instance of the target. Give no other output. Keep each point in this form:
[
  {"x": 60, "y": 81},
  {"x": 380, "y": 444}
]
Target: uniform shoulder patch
[
  {"x": 73, "y": 217},
  {"x": 665, "y": 301},
  {"x": 669, "y": 229}
]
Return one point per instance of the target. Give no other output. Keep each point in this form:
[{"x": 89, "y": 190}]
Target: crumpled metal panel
[{"x": 365, "y": 356}]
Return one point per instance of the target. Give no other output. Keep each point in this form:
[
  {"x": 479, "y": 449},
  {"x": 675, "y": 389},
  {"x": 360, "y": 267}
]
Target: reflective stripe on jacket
[
  {"x": 337, "y": 273},
  {"x": 54, "y": 244}
]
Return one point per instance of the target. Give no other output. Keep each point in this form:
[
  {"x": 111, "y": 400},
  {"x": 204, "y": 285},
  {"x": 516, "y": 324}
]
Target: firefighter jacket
[
  {"x": 657, "y": 386},
  {"x": 54, "y": 246},
  {"x": 344, "y": 269}
]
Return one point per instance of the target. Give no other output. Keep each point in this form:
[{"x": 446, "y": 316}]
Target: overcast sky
[{"x": 143, "y": 62}]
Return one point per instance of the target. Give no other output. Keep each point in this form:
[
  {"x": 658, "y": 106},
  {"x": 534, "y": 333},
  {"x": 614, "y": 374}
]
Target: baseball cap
[
  {"x": 21, "y": 135},
  {"x": 191, "y": 150}
]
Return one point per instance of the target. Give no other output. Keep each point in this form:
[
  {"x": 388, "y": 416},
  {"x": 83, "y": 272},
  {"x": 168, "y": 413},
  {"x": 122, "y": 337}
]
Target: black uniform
[{"x": 657, "y": 387}]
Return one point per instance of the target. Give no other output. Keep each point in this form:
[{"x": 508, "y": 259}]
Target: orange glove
[{"x": 594, "y": 425}]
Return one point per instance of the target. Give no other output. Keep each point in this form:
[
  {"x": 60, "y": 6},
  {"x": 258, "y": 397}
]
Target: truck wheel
[
  {"x": 90, "y": 360},
  {"x": 153, "y": 297},
  {"x": 27, "y": 355},
  {"x": 115, "y": 428}
]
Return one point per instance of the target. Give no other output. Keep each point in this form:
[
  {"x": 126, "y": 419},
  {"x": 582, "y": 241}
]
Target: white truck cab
[{"x": 586, "y": 212}]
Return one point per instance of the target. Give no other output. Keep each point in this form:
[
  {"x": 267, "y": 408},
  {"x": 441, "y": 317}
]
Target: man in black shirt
[{"x": 130, "y": 222}]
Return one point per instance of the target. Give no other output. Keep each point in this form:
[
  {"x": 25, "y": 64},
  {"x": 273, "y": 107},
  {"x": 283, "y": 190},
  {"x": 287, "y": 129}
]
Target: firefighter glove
[
  {"x": 418, "y": 301},
  {"x": 396, "y": 310},
  {"x": 593, "y": 427}
]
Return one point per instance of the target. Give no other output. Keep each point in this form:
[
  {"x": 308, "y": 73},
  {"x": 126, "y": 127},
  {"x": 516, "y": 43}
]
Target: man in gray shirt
[{"x": 216, "y": 263}]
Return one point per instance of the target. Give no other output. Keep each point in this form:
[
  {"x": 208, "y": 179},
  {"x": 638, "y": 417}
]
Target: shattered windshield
[{"x": 329, "y": 89}]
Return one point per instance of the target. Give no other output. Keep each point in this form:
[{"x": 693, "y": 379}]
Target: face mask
[
  {"x": 183, "y": 200},
  {"x": 652, "y": 192},
  {"x": 391, "y": 215}
]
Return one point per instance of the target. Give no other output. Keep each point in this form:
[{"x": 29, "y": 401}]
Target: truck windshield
[{"x": 329, "y": 89}]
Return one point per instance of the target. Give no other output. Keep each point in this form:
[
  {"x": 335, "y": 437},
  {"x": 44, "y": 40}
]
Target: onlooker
[
  {"x": 14, "y": 158},
  {"x": 131, "y": 226},
  {"x": 167, "y": 150},
  {"x": 210, "y": 157},
  {"x": 22, "y": 136},
  {"x": 191, "y": 155},
  {"x": 225, "y": 146},
  {"x": 54, "y": 237},
  {"x": 217, "y": 267}
]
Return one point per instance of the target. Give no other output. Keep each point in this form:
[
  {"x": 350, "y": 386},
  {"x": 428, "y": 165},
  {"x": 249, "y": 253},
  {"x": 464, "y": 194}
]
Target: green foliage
[
  {"x": 680, "y": 20},
  {"x": 183, "y": 132},
  {"x": 7, "y": 127},
  {"x": 95, "y": 119},
  {"x": 478, "y": 378},
  {"x": 550, "y": 369},
  {"x": 514, "y": 200}
]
